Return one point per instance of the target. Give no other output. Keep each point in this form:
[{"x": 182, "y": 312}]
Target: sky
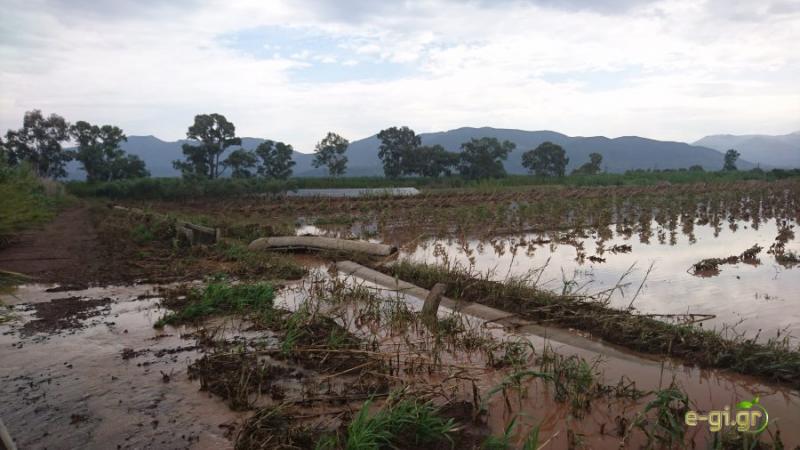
[{"x": 292, "y": 70}]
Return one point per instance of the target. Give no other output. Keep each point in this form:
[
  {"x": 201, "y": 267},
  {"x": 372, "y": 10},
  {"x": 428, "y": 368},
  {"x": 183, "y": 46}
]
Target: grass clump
[
  {"x": 244, "y": 262},
  {"x": 403, "y": 424},
  {"x": 219, "y": 298},
  {"x": 408, "y": 423},
  {"x": 667, "y": 428}
]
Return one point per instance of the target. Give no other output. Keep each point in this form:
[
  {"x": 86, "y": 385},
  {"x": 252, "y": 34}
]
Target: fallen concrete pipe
[
  {"x": 321, "y": 243},
  {"x": 487, "y": 313}
]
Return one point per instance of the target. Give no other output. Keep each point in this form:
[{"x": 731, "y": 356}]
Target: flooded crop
[{"x": 572, "y": 318}]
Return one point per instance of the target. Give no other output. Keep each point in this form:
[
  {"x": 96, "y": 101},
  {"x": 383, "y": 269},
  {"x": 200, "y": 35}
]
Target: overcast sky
[{"x": 292, "y": 70}]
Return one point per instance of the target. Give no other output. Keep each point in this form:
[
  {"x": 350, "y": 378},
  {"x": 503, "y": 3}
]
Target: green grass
[
  {"x": 408, "y": 422},
  {"x": 669, "y": 407},
  {"x": 25, "y": 201},
  {"x": 249, "y": 263},
  {"x": 220, "y": 298}
]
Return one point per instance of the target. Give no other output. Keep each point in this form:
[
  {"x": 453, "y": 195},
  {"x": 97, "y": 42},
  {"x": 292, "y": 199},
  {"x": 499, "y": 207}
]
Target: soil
[
  {"x": 64, "y": 251},
  {"x": 64, "y": 314}
]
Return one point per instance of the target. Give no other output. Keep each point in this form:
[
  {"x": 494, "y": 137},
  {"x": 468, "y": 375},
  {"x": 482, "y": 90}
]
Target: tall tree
[
  {"x": 241, "y": 162},
  {"x": 430, "y": 161},
  {"x": 128, "y": 166},
  {"x": 38, "y": 143},
  {"x": 330, "y": 152},
  {"x": 100, "y": 154},
  {"x": 5, "y": 154},
  {"x": 592, "y": 167},
  {"x": 276, "y": 160},
  {"x": 731, "y": 156},
  {"x": 547, "y": 159},
  {"x": 213, "y": 135},
  {"x": 397, "y": 145},
  {"x": 483, "y": 158}
]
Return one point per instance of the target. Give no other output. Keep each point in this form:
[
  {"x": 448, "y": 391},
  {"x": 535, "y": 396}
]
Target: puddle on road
[
  {"x": 73, "y": 388},
  {"x": 762, "y": 297}
]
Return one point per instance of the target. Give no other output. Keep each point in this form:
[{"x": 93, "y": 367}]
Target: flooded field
[
  {"x": 568, "y": 319},
  {"x": 761, "y": 294},
  {"x": 101, "y": 373}
]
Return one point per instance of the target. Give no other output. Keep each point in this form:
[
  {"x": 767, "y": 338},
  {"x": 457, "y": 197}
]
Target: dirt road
[{"x": 64, "y": 251}]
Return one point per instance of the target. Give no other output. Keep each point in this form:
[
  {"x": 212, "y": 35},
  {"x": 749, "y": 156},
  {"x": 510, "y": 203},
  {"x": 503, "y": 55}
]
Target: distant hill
[
  {"x": 619, "y": 154},
  {"x": 778, "y": 151}
]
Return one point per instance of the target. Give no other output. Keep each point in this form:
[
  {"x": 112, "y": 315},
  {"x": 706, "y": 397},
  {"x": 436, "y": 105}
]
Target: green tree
[
  {"x": 128, "y": 166},
  {"x": 276, "y": 160},
  {"x": 100, "y": 154},
  {"x": 696, "y": 168},
  {"x": 592, "y": 167},
  {"x": 330, "y": 153},
  {"x": 213, "y": 135},
  {"x": 38, "y": 143},
  {"x": 5, "y": 154},
  {"x": 483, "y": 158},
  {"x": 241, "y": 162},
  {"x": 731, "y": 156},
  {"x": 547, "y": 159},
  {"x": 397, "y": 146},
  {"x": 430, "y": 161}
]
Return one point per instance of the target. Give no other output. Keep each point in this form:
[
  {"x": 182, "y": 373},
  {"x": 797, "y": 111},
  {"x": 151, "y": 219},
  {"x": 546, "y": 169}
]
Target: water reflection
[{"x": 754, "y": 292}]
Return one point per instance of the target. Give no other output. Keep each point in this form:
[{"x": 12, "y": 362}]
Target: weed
[
  {"x": 141, "y": 234},
  {"x": 222, "y": 297},
  {"x": 574, "y": 380},
  {"x": 409, "y": 421},
  {"x": 504, "y": 441},
  {"x": 669, "y": 406}
]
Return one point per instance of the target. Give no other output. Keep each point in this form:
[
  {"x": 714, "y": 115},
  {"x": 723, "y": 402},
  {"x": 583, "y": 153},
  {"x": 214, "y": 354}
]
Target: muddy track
[{"x": 64, "y": 251}]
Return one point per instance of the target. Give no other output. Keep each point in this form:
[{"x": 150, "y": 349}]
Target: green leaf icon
[{"x": 744, "y": 405}]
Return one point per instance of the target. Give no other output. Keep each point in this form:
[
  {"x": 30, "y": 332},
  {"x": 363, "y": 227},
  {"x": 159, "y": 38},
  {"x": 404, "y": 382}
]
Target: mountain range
[
  {"x": 778, "y": 151},
  {"x": 619, "y": 154}
]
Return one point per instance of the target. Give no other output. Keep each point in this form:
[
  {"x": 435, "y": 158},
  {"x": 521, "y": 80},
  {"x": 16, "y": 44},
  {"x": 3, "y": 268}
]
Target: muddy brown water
[
  {"x": 706, "y": 389},
  {"x": 73, "y": 388}
]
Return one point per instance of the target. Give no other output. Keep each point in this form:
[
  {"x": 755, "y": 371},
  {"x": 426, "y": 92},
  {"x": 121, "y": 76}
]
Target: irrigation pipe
[{"x": 321, "y": 243}]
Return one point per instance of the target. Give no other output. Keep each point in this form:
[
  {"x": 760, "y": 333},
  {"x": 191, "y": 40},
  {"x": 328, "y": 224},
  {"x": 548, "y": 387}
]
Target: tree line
[
  {"x": 403, "y": 154},
  {"x": 39, "y": 144}
]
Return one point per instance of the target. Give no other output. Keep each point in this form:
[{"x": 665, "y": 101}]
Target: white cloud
[{"x": 674, "y": 69}]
